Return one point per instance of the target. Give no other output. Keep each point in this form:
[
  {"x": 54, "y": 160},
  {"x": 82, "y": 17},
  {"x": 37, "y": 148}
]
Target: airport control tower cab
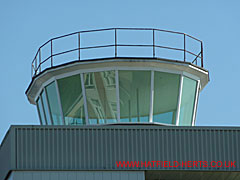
[{"x": 118, "y": 76}]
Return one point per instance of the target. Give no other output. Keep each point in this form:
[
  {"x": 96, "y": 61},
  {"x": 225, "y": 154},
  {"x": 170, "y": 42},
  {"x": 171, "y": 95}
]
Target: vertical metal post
[
  {"x": 36, "y": 67},
  {"x": 39, "y": 53},
  {"x": 153, "y": 43},
  {"x": 201, "y": 54},
  {"x": 79, "y": 45},
  {"x": 115, "y": 39},
  {"x": 184, "y": 44},
  {"x": 32, "y": 70},
  {"x": 51, "y": 54}
]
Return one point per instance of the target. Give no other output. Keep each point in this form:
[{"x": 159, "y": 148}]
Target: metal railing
[{"x": 38, "y": 62}]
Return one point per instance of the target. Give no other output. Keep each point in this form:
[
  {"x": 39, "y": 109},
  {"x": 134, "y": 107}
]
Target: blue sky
[{"x": 25, "y": 25}]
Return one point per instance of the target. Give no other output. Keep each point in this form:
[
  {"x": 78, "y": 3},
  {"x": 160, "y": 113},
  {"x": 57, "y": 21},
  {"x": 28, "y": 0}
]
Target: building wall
[
  {"x": 77, "y": 175},
  {"x": 95, "y": 148}
]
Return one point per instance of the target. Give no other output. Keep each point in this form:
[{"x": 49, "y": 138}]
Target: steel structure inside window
[
  {"x": 153, "y": 43},
  {"x": 119, "y": 96}
]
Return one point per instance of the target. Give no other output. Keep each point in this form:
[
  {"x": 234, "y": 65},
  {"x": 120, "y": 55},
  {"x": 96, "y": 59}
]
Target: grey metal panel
[
  {"x": 99, "y": 147},
  {"x": 7, "y": 154},
  {"x": 77, "y": 175}
]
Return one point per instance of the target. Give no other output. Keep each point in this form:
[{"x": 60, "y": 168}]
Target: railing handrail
[{"x": 36, "y": 66}]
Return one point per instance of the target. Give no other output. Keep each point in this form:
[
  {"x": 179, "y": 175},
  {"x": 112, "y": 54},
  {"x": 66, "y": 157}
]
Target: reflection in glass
[
  {"x": 134, "y": 92},
  {"x": 45, "y": 107},
  {"x": 187, "y": 101},
  {"x": 166, "y": 89},
  {"x": 40, "y": 111},
  {"x": 100, "y": 90},
  {"x": 71, "y": 96},
  {"x": 54, "y": 104}
]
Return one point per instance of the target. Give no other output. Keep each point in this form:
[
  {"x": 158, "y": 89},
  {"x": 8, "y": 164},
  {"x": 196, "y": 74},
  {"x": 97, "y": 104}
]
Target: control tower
[
  {"x": 119, "y": 103},
  {"x": 118, "y": 75}
]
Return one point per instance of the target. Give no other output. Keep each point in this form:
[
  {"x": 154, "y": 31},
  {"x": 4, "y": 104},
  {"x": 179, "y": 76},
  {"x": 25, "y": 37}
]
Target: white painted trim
[
  {"x": 191, "y": 76},
  {"x": 84, "y": 98},
  {"x": 179, "y": 100},
  {"x": 117, "y": 94},
  {"x": 137, "y": 68},
  {"x": 195, "y": 104},
  {"x": 96, "y": 63},
  {"x": 59, "y": 101},
  {"x": 198, "y": 69},
  {"x": 151, "y": 97}
]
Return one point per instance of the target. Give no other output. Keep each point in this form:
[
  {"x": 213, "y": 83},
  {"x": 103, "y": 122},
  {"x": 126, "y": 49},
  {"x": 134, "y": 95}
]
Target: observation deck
[{"x": 118, "y": 75}]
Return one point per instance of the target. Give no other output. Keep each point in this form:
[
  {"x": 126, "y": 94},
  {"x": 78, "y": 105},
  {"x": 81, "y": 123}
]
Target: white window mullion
[
  {"x": 84, "y": 98},
  {"x": 38, "y": 111},
  {"x": 59, "y": 102},
  {"x": 151, "y": 97},
  {"x": 179, "y": 100},
  {"x": 46, "y": 98},
  {"x": 117, "y": 94},
  {"x": 195, "y": 104}
]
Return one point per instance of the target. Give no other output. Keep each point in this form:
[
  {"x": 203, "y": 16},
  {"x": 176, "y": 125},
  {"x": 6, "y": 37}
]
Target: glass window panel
[
  {"x": 40, "y": 111},
  {"x": 54, "y": 104},
  {"x": 100, "y": 90},
  {"x": 166, "y": 90},
  {"x": 71, "y": 96},
  {"x": 134, "y": 92},
  {"x": 45, "y": 107},
  {"x": 187, "y": 101}
]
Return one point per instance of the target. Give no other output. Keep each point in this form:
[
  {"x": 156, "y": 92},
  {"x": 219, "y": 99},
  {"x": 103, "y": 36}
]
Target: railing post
[
  {"x": 184, "y": 44},
  {"x": 35, "y": 69},
  {"x": 115, "y": 39},
  {"x": 153, "y": 43},
  {"x": 79, "y": 57},
  {"x": 51, "y": 54},
  {"x": 201, "y": 54},
  {"x": 32, "y": 66},
  {"x": 39, "y": 54}
]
